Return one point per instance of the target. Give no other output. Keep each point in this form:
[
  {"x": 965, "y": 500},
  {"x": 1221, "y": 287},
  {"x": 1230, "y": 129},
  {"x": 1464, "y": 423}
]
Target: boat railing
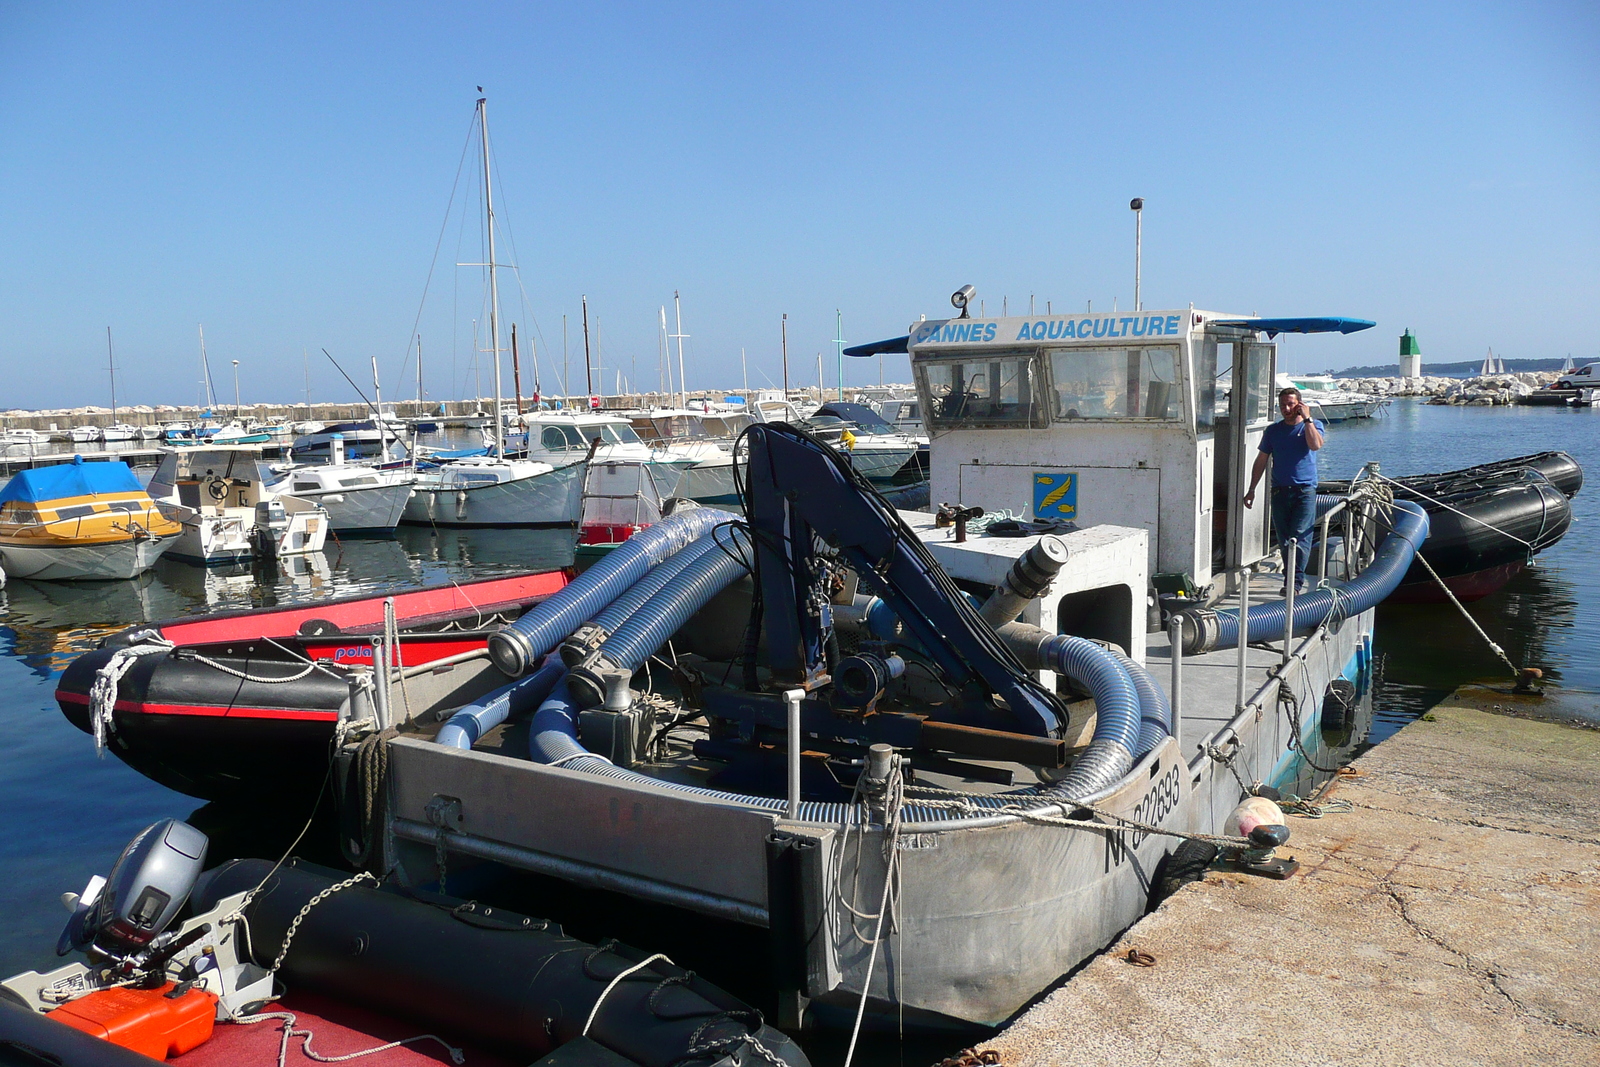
[{"x": 1358, "y": 513}]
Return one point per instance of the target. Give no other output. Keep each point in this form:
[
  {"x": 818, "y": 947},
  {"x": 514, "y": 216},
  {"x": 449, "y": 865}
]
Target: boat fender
[
  {"x": 1338, "y": 705},
  {"x": 1255, "y": 813}
]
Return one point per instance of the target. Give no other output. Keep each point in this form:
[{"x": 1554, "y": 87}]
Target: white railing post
[
  {"x": 1244, "y": 635},
  {"x": 791, "y": 700},
  {"x": 1175, "y": 628}
]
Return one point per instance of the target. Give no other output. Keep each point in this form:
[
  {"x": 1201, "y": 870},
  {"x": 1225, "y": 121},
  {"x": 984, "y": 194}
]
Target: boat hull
[
  {"x": 989, "y": 917},
  {"x": 376, "y": 510},
  {"x": 120, "y": 559},
  {"x": 551, "y": 499}
]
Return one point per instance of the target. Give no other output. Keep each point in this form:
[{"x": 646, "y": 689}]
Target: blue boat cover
[
  {"x": 70, "y": 479},
  {"x": 1325, "y": 324},
  {"x": 893, "y": 344}
]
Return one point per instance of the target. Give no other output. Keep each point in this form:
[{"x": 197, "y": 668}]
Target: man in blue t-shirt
[{"x": 1292, "y": 445}]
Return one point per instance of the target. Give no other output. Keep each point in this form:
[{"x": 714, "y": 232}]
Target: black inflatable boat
[{"x": 1485, "y": 522}]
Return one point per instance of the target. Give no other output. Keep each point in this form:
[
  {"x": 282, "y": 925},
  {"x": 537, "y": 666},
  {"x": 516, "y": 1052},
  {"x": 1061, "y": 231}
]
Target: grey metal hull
[{"x": 989, "y": 917}]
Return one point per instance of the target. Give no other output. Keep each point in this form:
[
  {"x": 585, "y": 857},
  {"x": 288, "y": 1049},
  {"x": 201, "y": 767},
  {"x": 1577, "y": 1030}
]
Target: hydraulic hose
[
  {"x": 1366, "y": 590},
  {"x": 518, "y": 646},
  {"x": 490, "y": 710},
  {"x": 1118, "y": 712},
  {"x": 654, "y": 622}
]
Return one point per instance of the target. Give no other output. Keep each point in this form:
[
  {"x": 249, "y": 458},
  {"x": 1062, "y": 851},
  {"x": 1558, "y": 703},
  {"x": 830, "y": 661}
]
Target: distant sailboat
[
  {"x": 1492, "y": 364},
  {"x": 1567, "y": 365}
]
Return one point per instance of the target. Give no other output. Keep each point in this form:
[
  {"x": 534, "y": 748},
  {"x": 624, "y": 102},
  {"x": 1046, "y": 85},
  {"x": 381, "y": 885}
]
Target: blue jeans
[{"x": 1294, "y": 512}]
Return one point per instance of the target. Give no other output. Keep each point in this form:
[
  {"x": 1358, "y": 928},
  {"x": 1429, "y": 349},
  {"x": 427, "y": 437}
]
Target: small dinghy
[
  {"x": 1485, "y": 522},
  {"x": 252, "y": 962},
  {"x": 235, "y": 703}
]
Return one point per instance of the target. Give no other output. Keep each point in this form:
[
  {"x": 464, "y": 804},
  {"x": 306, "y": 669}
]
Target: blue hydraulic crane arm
[{"x": 798, "y": 488}]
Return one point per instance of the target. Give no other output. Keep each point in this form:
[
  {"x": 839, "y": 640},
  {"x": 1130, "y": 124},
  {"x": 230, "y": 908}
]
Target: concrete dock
[{"x": 1451, "y": 917}]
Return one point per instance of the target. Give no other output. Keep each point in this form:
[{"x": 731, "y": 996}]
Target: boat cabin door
[{"x": 1252, "y": 365}]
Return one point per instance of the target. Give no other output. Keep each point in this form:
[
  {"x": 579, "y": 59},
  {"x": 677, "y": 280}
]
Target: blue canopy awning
[
  {"x": 71, "y": 479},
  {"x": 1325, "y": 324},
  {"x": 877, "y": 348}
]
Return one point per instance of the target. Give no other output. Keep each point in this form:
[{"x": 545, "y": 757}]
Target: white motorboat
[
  {"x": 119, "y": 431},
  {"x": 706, "y": 439},
  {"x": 879, "y": 456},
  {"x": 358, "y": 498},
  {"x": 494, "y": 491},
  {"x": 362, "y": 440},
  {"x": 83, "y": 435},
  {"x": 24, "y": 436},
  {"x": 224, "y": 497}
]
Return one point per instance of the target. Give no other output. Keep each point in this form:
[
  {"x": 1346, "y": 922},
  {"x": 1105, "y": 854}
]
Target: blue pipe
[
  {"x": 1110, "y": 754},
  {"x": 518, "y": 646},
  {"x": 628, "y": 604},
  {"x": 1366, "y": 590},
  {"x": 1155, "y": 712},
  {"x": 490, "y": 710},
  {"x": 637, "y": 639}
]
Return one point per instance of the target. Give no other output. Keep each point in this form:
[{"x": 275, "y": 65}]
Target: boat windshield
[
  {"x": 619, "y": 435},
  {"x": 995, "y": 390},
  {"x": 1115, "y": 383}
]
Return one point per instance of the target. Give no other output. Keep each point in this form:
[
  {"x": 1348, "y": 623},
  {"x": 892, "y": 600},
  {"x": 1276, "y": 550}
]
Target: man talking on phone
[{"x": 1292, "y": 445}]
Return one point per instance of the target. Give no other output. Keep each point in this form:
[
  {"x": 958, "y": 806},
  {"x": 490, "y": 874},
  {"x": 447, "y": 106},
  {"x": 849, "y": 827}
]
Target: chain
[{"x": 313, "y": 902}]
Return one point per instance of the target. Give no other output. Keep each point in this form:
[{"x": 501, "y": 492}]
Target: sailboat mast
[
  {"x": 383, "y": 427},
  {"x": 516, "y": 368},
  {"x": 838, "y": 339},
  {"x": 588, "y": 367},
  {"x": 683, "y": 386},
  {"x": 205, "y": 371},
  {"x": 111, "y": 365},
  {"x": 665, "y": 370},
  {"x": 419, "y": 374},
  {"x": 494, "y": 284},
  {"x": 305, "y": 360}
]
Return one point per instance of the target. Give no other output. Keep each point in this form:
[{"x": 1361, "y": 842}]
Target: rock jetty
[{"x": 1484, "y": 390}]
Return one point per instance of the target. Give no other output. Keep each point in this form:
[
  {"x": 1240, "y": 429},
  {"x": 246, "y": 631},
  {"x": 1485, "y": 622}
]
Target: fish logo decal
[{"x": 1055, "y": 495}]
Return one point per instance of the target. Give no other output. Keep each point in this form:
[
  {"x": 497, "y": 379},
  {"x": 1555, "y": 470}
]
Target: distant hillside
[{"x": 1468, "y": 369}]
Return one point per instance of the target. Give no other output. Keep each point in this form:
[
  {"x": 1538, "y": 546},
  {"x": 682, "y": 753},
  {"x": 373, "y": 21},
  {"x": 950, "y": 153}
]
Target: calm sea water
[{"x": 70, "y": 814}]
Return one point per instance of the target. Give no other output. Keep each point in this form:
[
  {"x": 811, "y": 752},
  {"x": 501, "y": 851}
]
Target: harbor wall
[{"x": 446, "y": 411}]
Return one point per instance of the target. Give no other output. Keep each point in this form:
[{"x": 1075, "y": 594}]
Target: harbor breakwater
[{"x": 1483, "y": 390}]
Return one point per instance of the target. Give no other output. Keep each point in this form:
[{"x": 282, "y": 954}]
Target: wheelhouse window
[
  {"x": 561, "y": 439},
  {"x": 1115, "y": 383},
  {"x": 998, "y": 389}
]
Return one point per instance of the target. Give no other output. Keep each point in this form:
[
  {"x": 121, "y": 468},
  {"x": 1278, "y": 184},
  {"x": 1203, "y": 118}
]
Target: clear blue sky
[{"x": 280, "y": 173}]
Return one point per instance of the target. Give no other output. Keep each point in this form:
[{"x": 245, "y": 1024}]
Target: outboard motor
[
  {"x": 271, "y": 522},
  {"x": 122, "y": 917}
]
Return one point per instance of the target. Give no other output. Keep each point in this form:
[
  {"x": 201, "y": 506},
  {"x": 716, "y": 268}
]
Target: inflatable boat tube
[{"x": 513, "y": 983}]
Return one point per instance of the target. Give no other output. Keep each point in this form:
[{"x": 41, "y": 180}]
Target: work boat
[
  {"x": 952, "y": 771},
  {"x": 80, "y": 520},
  {"x": 226, "y": 500}
]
